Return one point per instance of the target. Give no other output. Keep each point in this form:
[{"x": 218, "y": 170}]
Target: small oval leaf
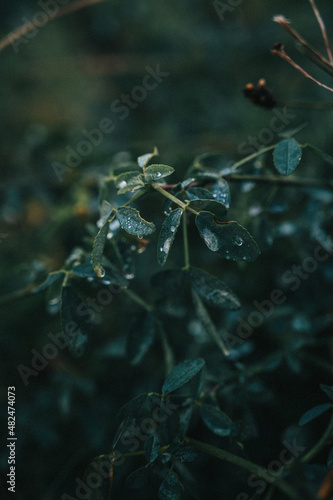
[
  {"x": 199, "y": 193},
  {"x": 287, "y": 156},
  {"x": 313, "y": 413},
  {"x": 140, "y": 338},
  {"x": 209, "y": 205},
  {"x": 182, "y": 373},
  {"x": 152, "y": 448},
  {"x": 221, "y": 192},
  {"x": 213, "y": 291},
  {"x": 99, "y": 243},
  {"x": 130, "y": 219},
  {"x": 167, "y": 235},
  {"x": 145, "y": 159},
  {"x": 156, "y": 172},
  {"x": 230, "y": 239},
  {"x": 216, "y": 420},
  {"x": 171, "y": 488}
]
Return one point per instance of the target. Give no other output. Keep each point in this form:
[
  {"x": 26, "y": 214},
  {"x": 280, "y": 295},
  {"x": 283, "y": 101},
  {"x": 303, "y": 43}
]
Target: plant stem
[
  {"x": 136, "y": 298},
  {"x": 185, "y": 238},
  {"x": 255, "y": 469},
  {"x": 290, "y": 181},
  {"x": 18, "y": 294},
  {"x": 323, "y": 441},
  {"x": 252, "y": 156},
  {"x": 173, "y": 198}
]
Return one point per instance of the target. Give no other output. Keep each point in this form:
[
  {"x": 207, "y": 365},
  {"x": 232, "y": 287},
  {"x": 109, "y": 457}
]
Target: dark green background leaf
[{"x": 181, "y": 374}]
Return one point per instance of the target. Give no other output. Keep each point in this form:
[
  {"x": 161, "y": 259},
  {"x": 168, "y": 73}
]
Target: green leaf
[
  {"x": 229, "y": 239},
  {"x": 145, "y": 159},
  {"x": 167, "y": 235},
  {"x": 51, "y": 278},
  {"x": 215, "y": 161},
  {"x": 156, "y": 172},
  {"x": 221, "y": 192},
  {"x": 70, "y": 319},
  {"x": 327, "y": 158},
  {"x": 140, "y": 338},
  {"x": 171, "y": 488},
  {"x": 167, "y": 282},
  {"x": 127, "y": 178},
  {"x": 128, "y": 181},
  {"x": 138, "y": 479},
  {"x": 213, "y": 291},
  {"x": 98, "y": 248},
  {"x": 207, "y": 323},
  {"x": 181, "y": 374},
  {"x": 328, "y": 390},
  {"x": 216, "y": 420},
  {"x": 314, "y": 412},
  {"x": 199, "y": 193},
  {"x": 152, "y": 448},
  {"x": 209, "y": 205},
  {"x": 130, "y": 219},
  {"x": 287, "y": 156}
]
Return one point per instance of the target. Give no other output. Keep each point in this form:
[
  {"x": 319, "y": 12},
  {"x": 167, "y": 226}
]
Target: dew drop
[
  {"x": 100, "y": 271},
  {"x": 122, "y": 184},
  {"x": 172, "y": 229},
  {"x": 210, "y": 240},
  {"x": 238, "y": 241}
]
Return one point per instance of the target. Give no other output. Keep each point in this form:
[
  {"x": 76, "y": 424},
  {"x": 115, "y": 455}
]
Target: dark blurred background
[{"x": 64, "y": 80}]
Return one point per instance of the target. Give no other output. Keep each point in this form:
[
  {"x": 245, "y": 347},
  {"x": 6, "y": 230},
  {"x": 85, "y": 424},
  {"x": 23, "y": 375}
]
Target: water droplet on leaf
[
  {"x": 100, "y": 271},
  {"x": 238, "y": 241},
  {"x": 210, "y": 240}
]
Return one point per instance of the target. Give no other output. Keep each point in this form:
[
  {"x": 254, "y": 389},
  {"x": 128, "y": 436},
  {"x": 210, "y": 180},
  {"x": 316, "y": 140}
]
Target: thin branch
[
  {"x": 279, "y": 50},
  {"x": 290, "y": 181},
  {"x": 323, "y": 30},
  {"x": 282, "y": 21},
  {"x": 29, "y": 26},
  {"x": 323, "y": 441}
]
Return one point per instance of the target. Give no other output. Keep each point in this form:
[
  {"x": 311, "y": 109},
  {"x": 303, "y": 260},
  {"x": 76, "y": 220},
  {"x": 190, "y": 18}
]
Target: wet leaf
[
  {"x": 287, "y": 156},
  {"x": 167, "y": 235},
  {"x": 140, "y": 338},
  {"x": 221, "y": 192},
  {"x": 213, "y": 291},
  {"x": 70, "y": 320},
  {"x": 209, "y": 205},
  {"x": 171, "y": 488},
  {"x": 186, "y": 454},
  {"x": 152, "y": 448},
  {"x": 126, "y": 178},
  {"x": 145, "y": 159},
  {"x": 98, "y": 247},
  {"x": 230, "y": 240},
  {"x": 156, "y": 172},
  {"x": 130, "y": 219},
  {"x": 216, "y": 420},
  {"x": 129, "y": 181},
  {"x": 199, "y": 193},
  {"x": 51, "y": 278},
  {"x": 328, "y": 390},
  {"x": 314, "y": 412},
  {"x": 181, "y": 374}
]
